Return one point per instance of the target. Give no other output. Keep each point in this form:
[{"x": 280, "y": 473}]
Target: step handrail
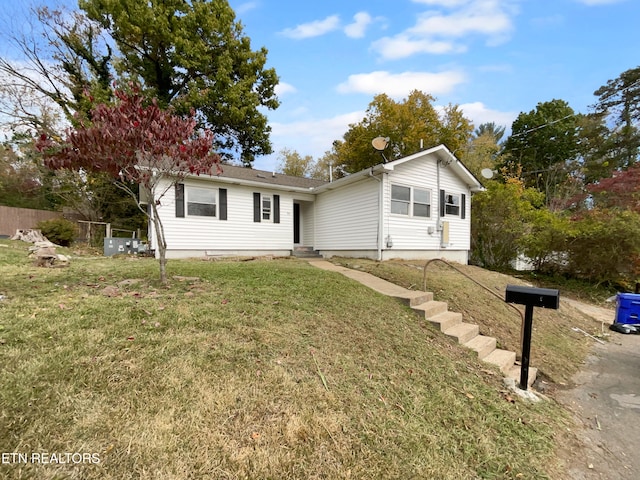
[{"x": 424, "y": 283}]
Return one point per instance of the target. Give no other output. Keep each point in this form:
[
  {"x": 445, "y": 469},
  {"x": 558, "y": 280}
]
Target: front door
[{"x": 296, "y": 223}]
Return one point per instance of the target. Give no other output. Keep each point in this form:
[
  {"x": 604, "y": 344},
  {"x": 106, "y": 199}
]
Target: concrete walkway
[{"x": 371, "y": 281}]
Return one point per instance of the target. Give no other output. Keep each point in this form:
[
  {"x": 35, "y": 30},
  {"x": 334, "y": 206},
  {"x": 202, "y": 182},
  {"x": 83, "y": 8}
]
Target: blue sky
[{"x": 494, "y": 58}]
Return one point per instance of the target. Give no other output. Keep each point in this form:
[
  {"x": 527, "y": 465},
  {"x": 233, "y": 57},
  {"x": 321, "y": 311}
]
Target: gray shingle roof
[{"x": 268, "y": 178}]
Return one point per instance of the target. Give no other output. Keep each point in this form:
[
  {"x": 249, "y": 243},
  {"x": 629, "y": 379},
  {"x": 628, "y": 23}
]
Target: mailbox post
[{"x": 530, "y": 297}]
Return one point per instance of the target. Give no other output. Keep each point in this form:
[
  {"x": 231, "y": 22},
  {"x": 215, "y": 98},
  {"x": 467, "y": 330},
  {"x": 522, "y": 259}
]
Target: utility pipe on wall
[{"x": 380, "y": 215}]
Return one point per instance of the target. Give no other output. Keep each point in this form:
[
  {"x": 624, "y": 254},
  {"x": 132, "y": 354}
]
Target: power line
[{"x": 544, "y": 125}]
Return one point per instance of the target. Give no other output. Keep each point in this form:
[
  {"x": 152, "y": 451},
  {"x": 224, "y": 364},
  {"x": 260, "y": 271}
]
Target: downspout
[
  {"x": 439, "y": 218},
  {"x": 380, "y": 215}
]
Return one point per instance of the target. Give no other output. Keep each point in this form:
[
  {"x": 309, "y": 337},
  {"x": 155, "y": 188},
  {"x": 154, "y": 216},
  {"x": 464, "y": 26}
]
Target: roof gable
[{"x": 446, "y": 160}]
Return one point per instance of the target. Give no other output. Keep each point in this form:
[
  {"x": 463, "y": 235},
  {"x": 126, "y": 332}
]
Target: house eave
[
  {"x": 253, "y": 184},
  {"x": 354, "y": 177}
]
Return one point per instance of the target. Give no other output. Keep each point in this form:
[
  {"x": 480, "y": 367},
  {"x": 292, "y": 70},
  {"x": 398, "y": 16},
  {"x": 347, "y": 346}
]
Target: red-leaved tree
[
  {"x": 135, "y": 141},
  {"x": 621, "y": 190}
]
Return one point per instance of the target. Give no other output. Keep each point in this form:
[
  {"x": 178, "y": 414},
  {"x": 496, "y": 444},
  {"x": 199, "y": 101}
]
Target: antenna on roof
[{"x": 380, "y": 143}]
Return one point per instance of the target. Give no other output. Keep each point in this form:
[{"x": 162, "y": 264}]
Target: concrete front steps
[
  {"x": 467, "y": 334},
  {"x": 305, "y": 252},
  {"x": 438, "y": 314}
]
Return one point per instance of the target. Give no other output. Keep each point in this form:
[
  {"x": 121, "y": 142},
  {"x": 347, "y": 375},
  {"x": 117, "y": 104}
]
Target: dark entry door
[{"x": 296, "y": 223}]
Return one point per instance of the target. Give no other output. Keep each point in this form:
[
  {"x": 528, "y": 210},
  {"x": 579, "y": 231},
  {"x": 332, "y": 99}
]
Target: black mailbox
[
  {"x": 530, "y": 297},
  {"x": 536, "y": 297}
]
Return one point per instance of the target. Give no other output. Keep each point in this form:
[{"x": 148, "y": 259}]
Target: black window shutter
[
  {"x": 442, "y": 203},
  {"x": 463, "y": 207},
  {"x": 276, "y": 209},
  {"x": 179, "y": 199},
  {"x": 222, "y": 197},
  {"x": 256, "y": 207}
]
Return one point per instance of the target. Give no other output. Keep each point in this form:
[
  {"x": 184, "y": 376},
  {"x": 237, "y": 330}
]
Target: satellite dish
[
  {"x": 380, "y": 143},
  {"x": 487, "y": 173}
]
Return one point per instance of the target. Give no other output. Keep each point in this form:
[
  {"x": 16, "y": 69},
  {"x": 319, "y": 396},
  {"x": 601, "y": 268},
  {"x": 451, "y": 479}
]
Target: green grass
[{"x": 257, "y": 370}]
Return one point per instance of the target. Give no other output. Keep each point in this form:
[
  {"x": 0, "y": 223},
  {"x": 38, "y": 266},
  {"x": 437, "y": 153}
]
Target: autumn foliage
[
  {"x": 130, "y": 140},
  {"x": 136, "y": 141}
]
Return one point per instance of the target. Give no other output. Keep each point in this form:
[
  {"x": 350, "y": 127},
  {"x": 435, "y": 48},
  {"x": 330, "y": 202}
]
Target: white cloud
[
  {"x": 478, "y": 113},
  {"x": 446, "y": 29},
  {"x": 359, "y": 26},
  {"x": 482, "y": 18},
  {"x": 403, "y": 46},
  {"x": 245, "y": 7},
  {"x": 401, "y": 84},
  {"x": 313, "y": 29},
  {"x": 307, "y": 137},
  {"x": 283, "y": 88}
]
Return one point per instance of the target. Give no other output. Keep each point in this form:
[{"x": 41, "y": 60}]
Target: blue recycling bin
[{"x": 628, "y": 309}]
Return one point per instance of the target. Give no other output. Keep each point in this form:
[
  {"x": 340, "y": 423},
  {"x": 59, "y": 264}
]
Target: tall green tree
[
  {"x": 490, "y": 128},
  {"x": 619, "y": 101},
  {"x": 482, "y": 153},
  {"x": 408, "y": 124},
  {"x": 194, "y": 56},
  {"x": 546, "y": 143},
  {"x": 290, "y": 162},
  {"x": 327, "y": 167}
]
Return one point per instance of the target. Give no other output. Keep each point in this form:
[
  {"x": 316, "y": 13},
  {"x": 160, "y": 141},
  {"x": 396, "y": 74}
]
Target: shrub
[
  {"x": 605, "y": 247},
  {"x": 59, "y": 231},
  {"x": 501, "y": 216}
]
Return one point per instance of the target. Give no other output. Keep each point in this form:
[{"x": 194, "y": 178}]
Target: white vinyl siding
[
  {"x": 238, "y": 232},
  {"x": 410, "y": 233},
  {"x": 347, "y": 218}
]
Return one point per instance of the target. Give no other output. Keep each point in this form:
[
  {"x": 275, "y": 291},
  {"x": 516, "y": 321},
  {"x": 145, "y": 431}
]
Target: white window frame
[
  {"x": 411, "y": 202},
  {"x": 450, "y": 206},
  {"x": 266, "y": 211},
  {"x": 189, "y": 190}
]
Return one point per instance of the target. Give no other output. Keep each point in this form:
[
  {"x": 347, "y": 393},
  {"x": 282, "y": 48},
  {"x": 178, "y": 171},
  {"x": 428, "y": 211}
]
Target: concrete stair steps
[
  {"x": 482, "y": 345},
  {"x": 305, "y": 252},
  {"x": 514, "y": 372},
  {"x": 432, "y": 308},
  {"x": 438, "y": 314},
  {"x": 463, "y": 332},
  {"x": 418, "y": 298},
  {"x": 503, "y": 359},
  {"x": 445, "y": 320}
]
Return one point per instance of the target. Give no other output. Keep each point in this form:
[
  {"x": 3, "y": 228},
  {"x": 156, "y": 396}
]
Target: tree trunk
[{"x": 161, "y": 242}]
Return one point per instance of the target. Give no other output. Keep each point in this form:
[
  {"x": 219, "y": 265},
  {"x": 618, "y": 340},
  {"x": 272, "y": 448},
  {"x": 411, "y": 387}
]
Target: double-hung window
[
  {"x": 410, "y": 201},
  {"x": 201, "y": 202},
  {"x": 266, "y": 208},
  {"x": 452, "y": 204}
]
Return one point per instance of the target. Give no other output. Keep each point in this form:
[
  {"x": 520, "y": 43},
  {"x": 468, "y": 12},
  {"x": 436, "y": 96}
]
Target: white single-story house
[{"x": 417, "y": 207}]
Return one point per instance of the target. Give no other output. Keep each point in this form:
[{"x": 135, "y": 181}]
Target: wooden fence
[{"x": 12, "y": 219}]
